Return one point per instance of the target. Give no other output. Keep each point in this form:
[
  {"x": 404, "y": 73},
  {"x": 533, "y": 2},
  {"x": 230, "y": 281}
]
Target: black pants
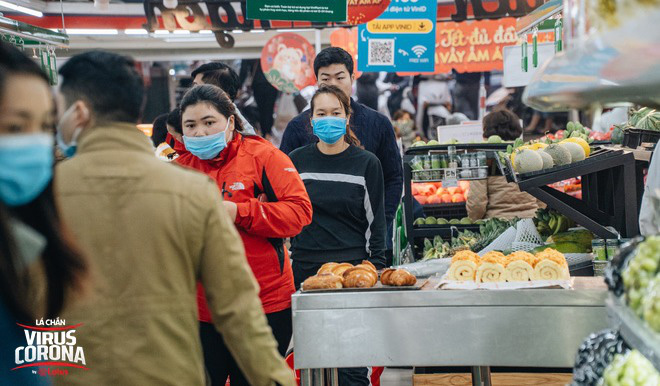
[
  {"x": 219, "y": 361},
  {"x": 356, "y": 376}
]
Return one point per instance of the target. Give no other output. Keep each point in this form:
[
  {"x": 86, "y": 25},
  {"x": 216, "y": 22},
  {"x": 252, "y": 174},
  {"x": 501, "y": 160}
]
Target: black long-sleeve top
[{"x": 347, "y": 195}]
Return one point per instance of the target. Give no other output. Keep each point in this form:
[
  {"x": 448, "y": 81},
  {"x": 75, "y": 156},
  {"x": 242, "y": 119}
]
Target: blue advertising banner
[{"x": 401, "y": 40}]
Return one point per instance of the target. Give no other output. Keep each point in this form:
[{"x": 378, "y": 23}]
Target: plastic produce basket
[{"x": 633, "y": 138}]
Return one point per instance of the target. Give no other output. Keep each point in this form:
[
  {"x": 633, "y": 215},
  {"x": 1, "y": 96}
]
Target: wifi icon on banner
[{"x": 419, "y": 50}]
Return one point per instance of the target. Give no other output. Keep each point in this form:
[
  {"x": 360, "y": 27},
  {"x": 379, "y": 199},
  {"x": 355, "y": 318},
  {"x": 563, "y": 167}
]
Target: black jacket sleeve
[
  {"x": 377, "y": 229},
  {"x": 296, "y": 133},
  {"x": 388, "y": 154}
]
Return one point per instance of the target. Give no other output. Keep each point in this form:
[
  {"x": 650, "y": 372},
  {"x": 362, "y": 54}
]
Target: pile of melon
[
  {"x": 434, "y": 193},
  {"x": 539, "y": 156}
]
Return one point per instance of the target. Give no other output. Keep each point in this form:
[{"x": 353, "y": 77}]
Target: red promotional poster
[
  {"x": 288, "y": 62},
  {"x": 347, "y": 38},
  {"x": 474, "y": 46},
  {"x": 362, "y": 11}
]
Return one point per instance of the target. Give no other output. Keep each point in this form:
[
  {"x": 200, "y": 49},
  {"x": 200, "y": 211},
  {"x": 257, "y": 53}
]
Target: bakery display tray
[{"x": 378, "y": 287}]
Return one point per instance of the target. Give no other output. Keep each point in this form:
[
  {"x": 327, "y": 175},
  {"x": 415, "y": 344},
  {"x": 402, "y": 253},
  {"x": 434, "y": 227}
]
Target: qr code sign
[{"x": 381, "y": 52}]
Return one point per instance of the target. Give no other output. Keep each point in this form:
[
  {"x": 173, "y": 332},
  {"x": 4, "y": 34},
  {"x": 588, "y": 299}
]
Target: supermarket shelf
[
  {"x": 633, "y": 330},
  {"x": 621, "y": 65},
  {"x": 459, "y": 146},
  {"x": 538, "y": 16},
  {"x": 600, "y": 207}
]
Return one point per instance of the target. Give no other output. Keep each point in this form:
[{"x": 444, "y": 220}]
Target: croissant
[
  {"x": 369, "y": 267},
  {"x": 397, "y": 277},
  {"x": 326, "y": 268},
  {"x": 360, "y": 277},
  {"x": 339, "y": 269},
  {"x": 367, "y": 262},
  {"x": 322, "y": 281}
]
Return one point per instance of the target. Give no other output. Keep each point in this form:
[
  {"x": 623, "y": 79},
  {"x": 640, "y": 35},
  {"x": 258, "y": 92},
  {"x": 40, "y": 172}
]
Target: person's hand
[{"x": 231, "y": 209}]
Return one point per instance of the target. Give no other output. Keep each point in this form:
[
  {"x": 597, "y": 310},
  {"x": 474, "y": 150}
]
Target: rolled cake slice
[
  {"x": 490, "y": 273},
  {"x": 519, "y": 270},
  {"x": 462, "y": 270},
  {"x": 553, "y": 266},
  {"x": 520, "y": 266},
  {"x": 463, "y": 266}
]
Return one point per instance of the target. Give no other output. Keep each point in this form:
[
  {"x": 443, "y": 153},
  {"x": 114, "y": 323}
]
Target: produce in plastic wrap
[
  {"x": 642, "y": 269},
  {"x": 594, "y": 355},
  {"x": 651, "y": 304},
  {"x": 630, "y": 369},
  {"x": 614, "y": 273}
]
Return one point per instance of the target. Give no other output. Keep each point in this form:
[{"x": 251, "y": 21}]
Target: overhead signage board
[
  {"x": 303, "y": 10},
  {"x": 401, "y": 39}
]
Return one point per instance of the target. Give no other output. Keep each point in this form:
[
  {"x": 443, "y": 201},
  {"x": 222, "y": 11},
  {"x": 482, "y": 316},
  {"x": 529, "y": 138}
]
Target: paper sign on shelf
[
  {"x": 463, "y": 133},
  {"x": 401, "y": 39},
  {"x": 304, "y": 10}
]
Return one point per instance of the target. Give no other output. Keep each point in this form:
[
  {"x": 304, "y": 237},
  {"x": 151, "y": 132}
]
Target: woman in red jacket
[{"x": 264, "y": 195}]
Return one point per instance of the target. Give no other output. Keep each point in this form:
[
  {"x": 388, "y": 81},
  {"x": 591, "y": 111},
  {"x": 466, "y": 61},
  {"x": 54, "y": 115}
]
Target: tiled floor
[{"x": 396, "y": 377}]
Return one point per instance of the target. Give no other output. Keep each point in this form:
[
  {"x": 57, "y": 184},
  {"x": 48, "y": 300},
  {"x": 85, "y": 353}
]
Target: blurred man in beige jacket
[{"x": 151, "y": 231}]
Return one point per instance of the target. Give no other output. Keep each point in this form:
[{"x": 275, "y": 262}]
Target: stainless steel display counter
[{"x": 511, "y": 328}]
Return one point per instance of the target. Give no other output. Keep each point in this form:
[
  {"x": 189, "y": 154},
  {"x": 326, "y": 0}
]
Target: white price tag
[{"x": 450, "y": 183}]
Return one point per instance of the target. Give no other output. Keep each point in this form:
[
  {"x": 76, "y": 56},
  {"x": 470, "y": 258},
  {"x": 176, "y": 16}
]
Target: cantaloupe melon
[
  {"x": 560, "y": 155},
  {"x": 528, "y": 161},
  {"x": 577, "y": 152},
  {"x": 547, "y": 160}
]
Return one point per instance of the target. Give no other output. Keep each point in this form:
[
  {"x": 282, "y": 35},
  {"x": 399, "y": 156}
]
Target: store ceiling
[{"x": 119, "y": 30}]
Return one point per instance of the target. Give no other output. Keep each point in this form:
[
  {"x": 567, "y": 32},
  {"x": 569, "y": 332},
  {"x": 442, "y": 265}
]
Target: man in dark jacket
[{"x": 334, "y": 66}]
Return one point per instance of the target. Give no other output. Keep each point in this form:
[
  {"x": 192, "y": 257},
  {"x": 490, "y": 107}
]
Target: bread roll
[
  {"x": 322, "y": 281},
  {"x": 326, "y": 268},
  {"x": 397, "y": 277},
  {"x": 360, "y": 277},
  {"x": 339, "y": 269}
]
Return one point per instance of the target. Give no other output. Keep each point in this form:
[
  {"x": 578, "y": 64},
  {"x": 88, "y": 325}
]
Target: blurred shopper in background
[
  {"x": 345, "y": 185},
  {"x": 266, "y": 200},
  {"x": 40, "y": 267},
  {"x": 149, "y": 241},
  {"x": 159, "y": 132},
  {"x": 334, "y": 66},
  {"x": 495, "y": 197},
  {"x": 223, "y": 76},
  {"x": 404, "y": 126},
  {"x": 466, "y": 92},
  {"x": 367, "y": 91}
]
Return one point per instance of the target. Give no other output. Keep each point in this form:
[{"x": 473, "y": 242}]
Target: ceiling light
[
  {"x": 257, "y": 31},
  {"x": 20, "y": 8},
  {"x": 237, "y": 31},
  {"x": 161, "y": 32},
  {"x": 181, "y": 32},
  {"x": 171, "y": 4},
  {"x": 136, "y": 32},
  {"x": 91, "y": 31},
  {"x": 206, "y": 32}
]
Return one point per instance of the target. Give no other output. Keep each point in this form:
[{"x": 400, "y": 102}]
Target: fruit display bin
[
  {"x": 609, "y": 191},
  {"x": 446, "y": 231},
  {"x": 633, "y": 138},
  {"x": 633, "y": 330},
  {"x": 459, "y": 146}
]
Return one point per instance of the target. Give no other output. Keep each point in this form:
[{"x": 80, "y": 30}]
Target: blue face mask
[
  {"x": 207, "y": 147},
  {"x": 26, "y": 166},
  {"x": 329, "y": 129},
  {"x": 68, "y": 149}
]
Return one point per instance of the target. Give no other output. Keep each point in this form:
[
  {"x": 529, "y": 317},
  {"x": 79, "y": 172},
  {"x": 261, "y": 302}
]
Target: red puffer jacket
[{"x": 272, "y": 205}]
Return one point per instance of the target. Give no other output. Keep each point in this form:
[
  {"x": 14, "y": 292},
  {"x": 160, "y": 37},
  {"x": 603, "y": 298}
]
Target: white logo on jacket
[{"x": 237, "y": 186}]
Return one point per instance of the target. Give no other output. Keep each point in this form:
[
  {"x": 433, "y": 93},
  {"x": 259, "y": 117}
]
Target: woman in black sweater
[{"x": 345, "y": 186}]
